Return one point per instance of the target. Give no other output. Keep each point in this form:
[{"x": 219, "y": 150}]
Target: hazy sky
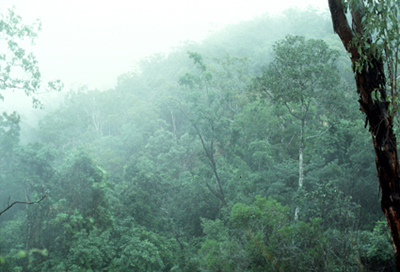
[{"x": 92, "y": 42}]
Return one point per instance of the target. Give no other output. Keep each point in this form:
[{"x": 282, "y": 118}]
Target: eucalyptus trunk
[{"x": 369, "y": 79}]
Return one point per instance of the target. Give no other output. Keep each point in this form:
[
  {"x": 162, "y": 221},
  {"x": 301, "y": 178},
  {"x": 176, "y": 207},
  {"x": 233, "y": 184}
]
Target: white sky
[{"x": 93, "y": 42}]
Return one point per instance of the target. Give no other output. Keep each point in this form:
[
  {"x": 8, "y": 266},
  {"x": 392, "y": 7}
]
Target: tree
[
  {"x": 215, "y": 97},
  {"x": 372, "y": 42},
  {"x": 301, "y": 77},
  {"x": 19, "y": 70},
  {"x": 9, "y": 140}
]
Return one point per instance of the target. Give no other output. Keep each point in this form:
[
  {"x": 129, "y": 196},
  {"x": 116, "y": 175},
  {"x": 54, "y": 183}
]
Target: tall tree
[
  {"x": 372, "y": 41},
  {"x": 214, "y": 103},
  {"x": 302, "y": 75}
]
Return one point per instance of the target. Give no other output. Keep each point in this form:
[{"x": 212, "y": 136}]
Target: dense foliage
[{"x": 191, "y": 163}]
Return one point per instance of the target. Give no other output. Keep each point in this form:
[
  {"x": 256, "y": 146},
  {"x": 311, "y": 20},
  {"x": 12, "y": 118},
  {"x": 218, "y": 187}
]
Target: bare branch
[
  {"x": 291, "y": 140},
  {"x": 210, "y": 156},
  {"x": 290, "y": 111},
  {"x": 173, "y": 229},
  {"x": 318, "y": 135},
  {"x": 21, "y": 202}
]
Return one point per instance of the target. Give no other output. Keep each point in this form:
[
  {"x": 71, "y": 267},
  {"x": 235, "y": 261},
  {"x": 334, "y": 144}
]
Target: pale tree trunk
[
  {"x": 302, "y": 117},
  {"x": 301, "y": 152},
  {"x": 372, "y": 78},
  {"x": 301, "y": 169},
  {"x": 173, "y": 123}
]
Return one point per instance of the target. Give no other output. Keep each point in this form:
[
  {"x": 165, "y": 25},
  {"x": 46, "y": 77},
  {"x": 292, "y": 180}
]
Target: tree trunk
[
  {"x": 368, "y": 80},
  {"x": 301, "y": 149},
  {"x": 301, "y": 169}
]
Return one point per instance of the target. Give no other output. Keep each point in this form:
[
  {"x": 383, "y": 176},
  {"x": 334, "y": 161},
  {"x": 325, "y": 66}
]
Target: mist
[{"x": 188, "y": 136}]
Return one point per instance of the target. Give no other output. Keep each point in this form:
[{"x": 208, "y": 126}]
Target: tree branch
[
  {"x": 318, "y": 135},
  {"x": 173, "y": 229},
  {"x": 22, "y": 202},
  {"x": 290, "y": 111},
  {"x": 291, "y": 140},
  {"x": 209, "y": 154},
  {"x": 340, "y": 24}
]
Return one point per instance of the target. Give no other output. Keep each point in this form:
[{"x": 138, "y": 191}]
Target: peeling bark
[{"x": 369, "y": 79}]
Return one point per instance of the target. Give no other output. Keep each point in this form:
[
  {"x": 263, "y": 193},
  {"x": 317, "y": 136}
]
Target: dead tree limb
[{"x": 22, "y": 202}]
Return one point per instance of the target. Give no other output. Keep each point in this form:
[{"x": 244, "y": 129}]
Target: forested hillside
[{"x": 245, "y": 152}]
